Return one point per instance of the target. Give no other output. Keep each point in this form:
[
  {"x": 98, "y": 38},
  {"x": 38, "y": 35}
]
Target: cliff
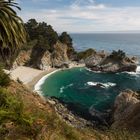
[
  {"x": 22, "y": 58},
  {"x": 127, "y": 111},
  {"x": 43, "y": 59}
]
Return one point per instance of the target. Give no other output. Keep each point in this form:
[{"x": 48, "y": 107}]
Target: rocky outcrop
[
  {"x": 127, "y": 111},
  {"x": 43, "y": 59},
  {"x": 58, "y": 58},
  {"x": 68, "y": 116},
  {"x": 59, "y": 55},
  {"x": 113, "y": 63},
  {"x": 22, "y": 58}
]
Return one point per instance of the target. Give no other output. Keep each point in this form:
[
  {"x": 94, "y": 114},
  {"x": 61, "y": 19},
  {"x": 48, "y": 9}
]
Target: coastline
[
  {"x": 37, "y": 78},
  {"x": 31, "y": 76}
]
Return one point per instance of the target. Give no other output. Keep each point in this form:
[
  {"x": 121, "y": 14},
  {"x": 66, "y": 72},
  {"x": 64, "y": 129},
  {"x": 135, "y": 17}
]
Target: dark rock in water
[
  {"x": 127, "y": 111},
  {"x": 113, "y": 63}
]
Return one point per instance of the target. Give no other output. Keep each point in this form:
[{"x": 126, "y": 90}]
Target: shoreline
[
  {"x": 42, "y": 76},
  {"x": 37, "y": 78}
]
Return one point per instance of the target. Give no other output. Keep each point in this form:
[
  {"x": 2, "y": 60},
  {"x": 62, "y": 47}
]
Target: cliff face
[
  {"x": 22, "y": 58},
  {"x": 43, "y": 59},
  {"x": 59, "y": 55},
  {"x": 127, "y": 111}
]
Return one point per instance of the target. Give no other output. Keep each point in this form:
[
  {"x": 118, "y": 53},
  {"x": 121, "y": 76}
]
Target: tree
[
  {"x": 31, "y": 27},
  {"x": 51, "y": 35},
  {"x": 66, "y": 39},
  {"x": 12, "y": 31},
  {"x": 41, "y": 29},
  {"x": 118, "y": 55}
]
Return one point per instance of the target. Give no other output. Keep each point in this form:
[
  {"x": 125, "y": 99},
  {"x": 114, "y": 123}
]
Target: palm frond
[{"x": 12, "y": 31}]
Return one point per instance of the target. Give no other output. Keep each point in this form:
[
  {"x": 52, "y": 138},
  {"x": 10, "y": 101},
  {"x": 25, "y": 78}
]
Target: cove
[{"x": 77, "y": 89}]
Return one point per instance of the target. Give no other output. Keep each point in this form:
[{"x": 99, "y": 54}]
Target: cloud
[{"x": 88, "y": 16}]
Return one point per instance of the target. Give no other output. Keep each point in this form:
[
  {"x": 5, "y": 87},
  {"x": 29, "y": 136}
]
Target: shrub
[
  {"x": 4, "y": 78},
  {"x": 85, "y": 54},
  {"x": 118, "y": 54},
  {"x": 12, "y": 109}
]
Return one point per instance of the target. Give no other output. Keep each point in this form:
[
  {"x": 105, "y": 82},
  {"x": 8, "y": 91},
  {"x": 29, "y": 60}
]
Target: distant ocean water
[
  {"x": 75, "y": 87},
  {"x": 129, "y": 42}
]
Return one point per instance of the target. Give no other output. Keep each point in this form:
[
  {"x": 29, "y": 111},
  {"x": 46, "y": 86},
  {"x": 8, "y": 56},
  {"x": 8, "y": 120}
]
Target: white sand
[
  {"x": 30, "y": 76},
  {"x": 24, "y": 74}
]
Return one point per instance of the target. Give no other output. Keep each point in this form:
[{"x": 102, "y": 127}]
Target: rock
[
  {"x": 43, "y": 59},
  {"x": 113, "y": 63},
  {"x": 59, "y": 56},
  {"x": 127, "y": 111},
  {"x": 52, "y": 102},
  {"x": 22, "y": 58},
  {"x": 45, "y": 62}
]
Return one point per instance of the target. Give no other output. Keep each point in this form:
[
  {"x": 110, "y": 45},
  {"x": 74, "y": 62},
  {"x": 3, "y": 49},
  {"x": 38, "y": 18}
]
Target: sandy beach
[{"x": 30, "y": 76}]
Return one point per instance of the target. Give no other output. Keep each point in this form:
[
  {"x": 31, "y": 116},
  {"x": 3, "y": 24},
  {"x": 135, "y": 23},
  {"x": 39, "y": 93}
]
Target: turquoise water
[{"x": 73, "y": 87}]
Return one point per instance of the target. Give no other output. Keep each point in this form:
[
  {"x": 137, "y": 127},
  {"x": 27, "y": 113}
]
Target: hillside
[{"x": 25, "y": 115}]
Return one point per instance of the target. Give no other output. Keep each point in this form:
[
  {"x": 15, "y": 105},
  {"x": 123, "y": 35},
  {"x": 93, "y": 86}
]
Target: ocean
[
  {"x": 130, "y": 43},
  {"x": 74, "y": 87}
]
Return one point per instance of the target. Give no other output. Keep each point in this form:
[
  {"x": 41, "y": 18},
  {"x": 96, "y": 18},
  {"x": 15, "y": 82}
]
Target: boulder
[{"x": 127, "y": 111}]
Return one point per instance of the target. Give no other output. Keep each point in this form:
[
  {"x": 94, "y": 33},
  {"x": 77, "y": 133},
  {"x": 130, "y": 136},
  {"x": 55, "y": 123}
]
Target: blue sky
[{"x": 84, "y": 15}]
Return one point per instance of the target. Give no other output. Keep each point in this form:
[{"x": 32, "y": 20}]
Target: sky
[{"x": 84, "y": 16}]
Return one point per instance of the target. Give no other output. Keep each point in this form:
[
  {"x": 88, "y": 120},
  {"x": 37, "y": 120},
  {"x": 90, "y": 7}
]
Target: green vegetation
[
  {"x": 85, "y": 54},
  {"x": 66, "y": 39},
  {"x": 44, "y": 34},
  {"x": 119, "y": 55},
  {"x": 42, "y": 37},
  {"x": 12, "y": 31},
  {"x": 122, "y": 135},
  {"x": 4, "y": 78}
]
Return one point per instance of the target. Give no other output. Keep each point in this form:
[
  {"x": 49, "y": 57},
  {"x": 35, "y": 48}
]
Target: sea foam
[
  {"x": 37, "y": 87},
  {"x": 65, "y": 87},
  {"x": 93, "y": 71},
  {"x": 137, "y": 73},
  {"x": 102, "y": 85}
]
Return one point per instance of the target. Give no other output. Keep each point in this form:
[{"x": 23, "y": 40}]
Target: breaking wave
[
  {"x": 137, "y": 73},
  {"x": 102, "y": 85}
]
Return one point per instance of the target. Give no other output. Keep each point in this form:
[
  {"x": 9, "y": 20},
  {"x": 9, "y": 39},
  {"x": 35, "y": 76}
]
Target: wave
[
  {"x": 37, "y": 87},
  {"x": 102, "y": 85},
  {"x": 138, "y": 70},
  {"x": 93, "y": 71},
  {"x": 137, "y": 73},
  {"x": 64, "y": 87}
]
